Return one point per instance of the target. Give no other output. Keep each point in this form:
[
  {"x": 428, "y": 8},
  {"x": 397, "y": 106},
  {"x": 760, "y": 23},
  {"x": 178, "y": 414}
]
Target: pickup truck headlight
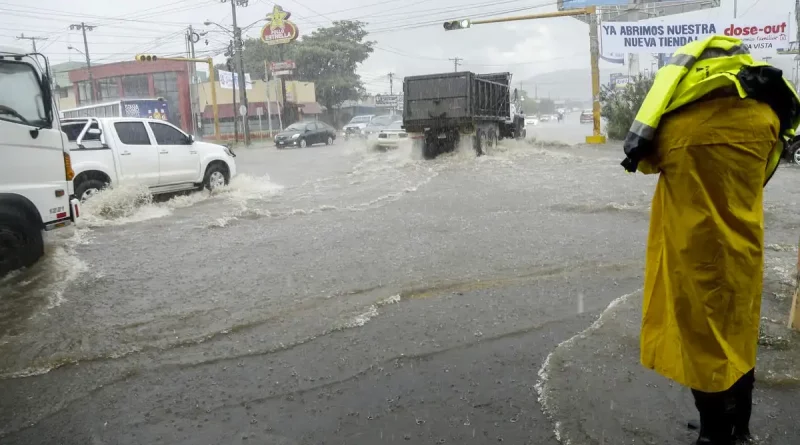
[
  {"x": 229, "y": 152},
  {"x": 295, "y": 136}
]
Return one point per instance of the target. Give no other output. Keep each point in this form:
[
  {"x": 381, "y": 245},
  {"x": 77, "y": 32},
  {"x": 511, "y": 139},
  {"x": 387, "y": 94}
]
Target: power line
[
  {"x": 32, "y": 39},
  {"x": 751, "y": 7}
]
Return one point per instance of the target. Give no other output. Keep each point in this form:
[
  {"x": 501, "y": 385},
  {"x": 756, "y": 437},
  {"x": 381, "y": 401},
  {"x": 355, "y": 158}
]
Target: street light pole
[{"x": 237, "y": 39}]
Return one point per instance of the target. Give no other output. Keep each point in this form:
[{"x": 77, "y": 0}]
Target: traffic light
[
  {"x": 457, "y": 24},
  {"x": 146, "y": 57}
]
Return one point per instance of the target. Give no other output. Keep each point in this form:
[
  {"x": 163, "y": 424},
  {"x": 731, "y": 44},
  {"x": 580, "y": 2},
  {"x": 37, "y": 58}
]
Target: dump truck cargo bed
[{"x": 454, "y": 100}]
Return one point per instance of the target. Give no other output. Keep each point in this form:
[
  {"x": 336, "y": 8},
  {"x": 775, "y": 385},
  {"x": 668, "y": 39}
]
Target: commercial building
[
  {"x": 137, "y": 80},
  {"x": 263, "y": 99},
  {"x": 169, "y": 79}
]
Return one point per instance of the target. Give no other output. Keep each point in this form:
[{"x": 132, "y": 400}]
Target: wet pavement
[{"x": 340, "y": 295}]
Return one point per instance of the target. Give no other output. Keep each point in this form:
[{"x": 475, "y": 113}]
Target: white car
[
  {"x": 391, "y": 136},
  {"x": 531, "y": 121},
  {"x": 113, "y": 151},
  {"x": 356, "y": 124}
]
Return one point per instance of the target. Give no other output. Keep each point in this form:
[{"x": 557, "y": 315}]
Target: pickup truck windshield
[{"x": 21, "y": 100}]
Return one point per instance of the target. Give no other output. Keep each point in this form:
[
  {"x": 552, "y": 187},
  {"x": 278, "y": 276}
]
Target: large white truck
[{"x": 35, "y": 170}]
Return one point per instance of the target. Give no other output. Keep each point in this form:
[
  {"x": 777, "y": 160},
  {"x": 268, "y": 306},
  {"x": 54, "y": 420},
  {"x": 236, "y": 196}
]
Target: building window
[
  {"x": 166, "y": 86},
  {"x": 135, "y": 87},
  {"x": 108, "y": 89},
  {"x": 84, "y": 95},
  {"x": 63, "y": 93}
]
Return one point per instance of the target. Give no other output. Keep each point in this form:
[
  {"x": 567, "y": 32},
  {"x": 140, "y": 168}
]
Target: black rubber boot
[
  {"x": 716, "y": 417},
  {"x": 743, "y": 395}
]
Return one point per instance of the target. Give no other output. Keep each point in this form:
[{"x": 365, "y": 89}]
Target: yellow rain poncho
[{"x": 703, "y": 277}]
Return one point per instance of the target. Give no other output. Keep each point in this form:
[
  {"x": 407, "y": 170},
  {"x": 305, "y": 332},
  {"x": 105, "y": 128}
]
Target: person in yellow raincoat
[
  {"x": 705, "y": 255},
  {"x": 705, "y": 249}
]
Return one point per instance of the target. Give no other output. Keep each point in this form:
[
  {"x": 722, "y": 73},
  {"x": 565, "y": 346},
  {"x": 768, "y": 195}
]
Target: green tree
[
  {"x": 329, "y": 58},
  {"x": 620, "y": 105}
]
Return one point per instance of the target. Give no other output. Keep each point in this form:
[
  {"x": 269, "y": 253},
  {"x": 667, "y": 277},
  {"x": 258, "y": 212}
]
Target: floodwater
[{"x": 332, "y": 295}]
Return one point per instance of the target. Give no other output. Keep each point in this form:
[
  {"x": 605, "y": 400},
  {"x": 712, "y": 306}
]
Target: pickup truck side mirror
[{"x": 190, "y": 139}]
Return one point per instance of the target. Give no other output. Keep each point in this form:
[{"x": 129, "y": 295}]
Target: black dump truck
[{"x": 440, "y": 110}]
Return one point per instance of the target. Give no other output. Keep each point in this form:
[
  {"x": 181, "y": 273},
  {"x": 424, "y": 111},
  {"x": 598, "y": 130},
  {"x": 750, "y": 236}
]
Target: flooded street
[{"x": 335, "y": 295}]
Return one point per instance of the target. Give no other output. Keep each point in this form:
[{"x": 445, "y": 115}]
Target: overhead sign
[
  {"x": 282, "y": 73},
  {"x": 279, "y": 30},
  {"x": 576, "y": 4},
  {"x": 620, "y": 82},
  {"x": 386, "y": 100},
  {"x": 668, "y": 35},
  {"x": 282, "y": 66},
  {"x": 227, "y": 79}
]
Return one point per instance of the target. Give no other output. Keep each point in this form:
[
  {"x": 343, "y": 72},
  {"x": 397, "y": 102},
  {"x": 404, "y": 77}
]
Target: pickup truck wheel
[
  {"x": 216, "y": 177},
  {"x": 88, "y": 188},
  {"x": 21, "y": 242},
  {"x": 303, "y": 143}
]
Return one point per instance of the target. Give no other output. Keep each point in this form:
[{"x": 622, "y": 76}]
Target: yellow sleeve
[{"x": 649, "y": 166}]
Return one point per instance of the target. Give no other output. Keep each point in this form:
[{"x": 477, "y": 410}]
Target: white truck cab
[
  {"x": 34, "y": 162},
  {"x": 115, "y": 151}
]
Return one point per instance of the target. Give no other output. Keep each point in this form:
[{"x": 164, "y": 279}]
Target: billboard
[
  {"x": 279, "y": 29},
  {"x": 579, "y": 4},
  {"x": 145, "y": 108},
  {"x": 665, "y": 36},
  {"x": 227, "y": 79},
  {"x": 386, "y": 100}
]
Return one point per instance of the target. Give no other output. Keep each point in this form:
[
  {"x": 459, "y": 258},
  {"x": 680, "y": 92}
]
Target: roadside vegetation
[{"x": 619, "y": 105}]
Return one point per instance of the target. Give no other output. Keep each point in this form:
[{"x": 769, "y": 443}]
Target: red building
[{"x": 138, "y": 80}]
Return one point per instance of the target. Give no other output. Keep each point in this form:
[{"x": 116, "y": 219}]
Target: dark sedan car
[{"x": 302, "y": 134}]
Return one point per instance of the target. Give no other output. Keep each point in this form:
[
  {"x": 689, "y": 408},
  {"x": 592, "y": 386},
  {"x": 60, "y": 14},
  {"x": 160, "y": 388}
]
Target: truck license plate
[{"x": 442, "y": 136}]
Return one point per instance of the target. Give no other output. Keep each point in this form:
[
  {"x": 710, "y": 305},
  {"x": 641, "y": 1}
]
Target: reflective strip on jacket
[{"x": 695, "y": 70}]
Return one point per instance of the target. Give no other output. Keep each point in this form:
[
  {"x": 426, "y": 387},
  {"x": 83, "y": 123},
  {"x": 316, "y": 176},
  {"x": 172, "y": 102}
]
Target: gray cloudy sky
[{"x": 409, "y": 34}]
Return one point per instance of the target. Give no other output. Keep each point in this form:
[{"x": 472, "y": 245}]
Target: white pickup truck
[
  {"x": 116, "y": 151},
  {"x": 34, "y": 160}
]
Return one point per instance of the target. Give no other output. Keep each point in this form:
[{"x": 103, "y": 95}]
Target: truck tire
[
  {"x": 88, "y": 188},
  {"x": 794, "y": 153},
  {"x": 21, "y": 242},
  {"x": 430, "y": 147},
  {"x": 479, "y": 143}
]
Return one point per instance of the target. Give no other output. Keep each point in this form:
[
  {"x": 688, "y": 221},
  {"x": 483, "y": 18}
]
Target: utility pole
[
  {"x": 237, "y": 38},
  {"x": 230, "y": 67},
  {"x": 456, "y": 62},
  {"x": 190, "y": 47},
  {"x": 32, "y": 39},
  {"x": 84, "y": 27},
  {"x": 391, "y": 84}
]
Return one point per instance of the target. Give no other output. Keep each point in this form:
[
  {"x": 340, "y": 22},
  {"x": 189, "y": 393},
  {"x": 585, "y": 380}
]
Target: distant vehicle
[
  {"x": 143, "y": 108},
  {"x": 439, "y": 109},
  {"x": 357, "y": 124},
  {"x": 792, "y": 152},
  {"x": 303, "y": 134},
  {"x": 531, "y": 120},
  {"x": 35, "y": 164},
  {"x": 587, "y": 116},
  {"x": 544, "y": 118},
  {"x": 378, "y": 123},
  {"x": 391, "y": 136},
  {"x": 114, "y": 151}
]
